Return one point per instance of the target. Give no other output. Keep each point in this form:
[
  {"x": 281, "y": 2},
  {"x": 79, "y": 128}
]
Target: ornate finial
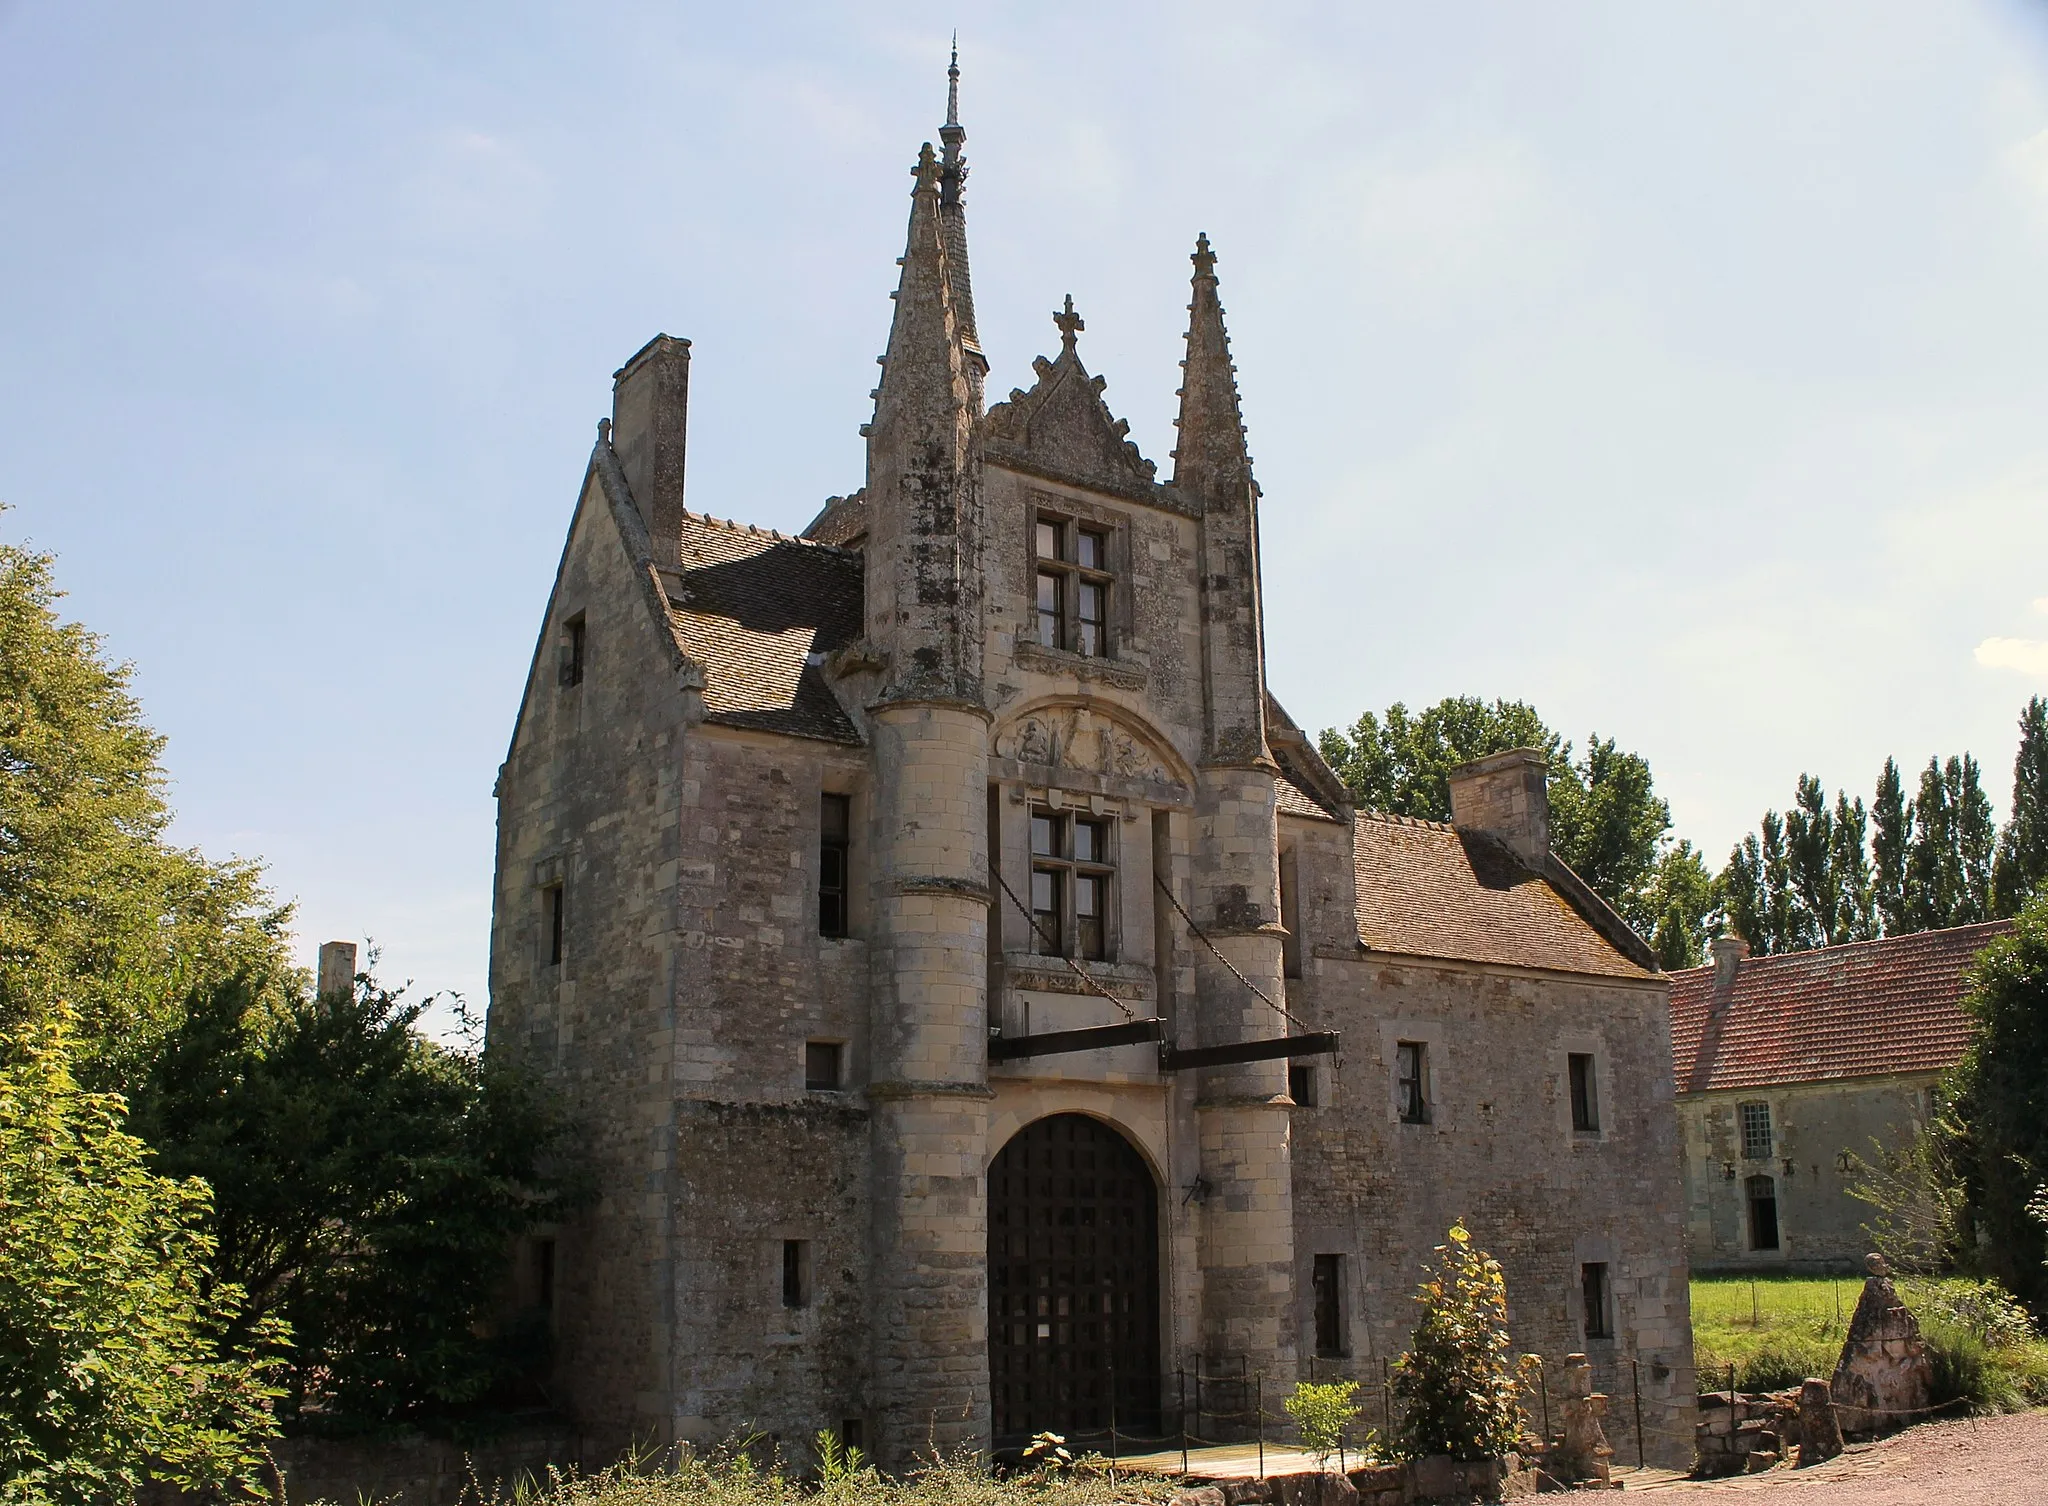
[
  {"x": 953, "y": 83},
  {"x": 1070, "y": 324},
  {"x": 927, "y": 167},
  {"x": 604, "y": 431},
  {"x": 1204, "y": 259}
]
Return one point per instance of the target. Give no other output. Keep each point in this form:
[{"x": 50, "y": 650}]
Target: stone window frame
[
  {"x": 551, "y": 916},
  {"x": 1585, "y": 1043},
  {"x": 847, "y": 783},
  {"x": 573, "y": 660},
  {"x": 1305, "y": 1073},
  {"x": 1588, "y": 1250},
  {"x": 828, "y": 846},
  {"x": 1596, "y": 1317},
  {"x": 1107, "y": 869},
  {"x": 1430, "y": 1034},
  {"x": 1339, "y": 1310},
  {"x": 843, "y": 1063},
  {"x": 1115, "y": 524},
  {"x": 1748, "y": 1140},
  {"x": 1749, "y": 1202}
]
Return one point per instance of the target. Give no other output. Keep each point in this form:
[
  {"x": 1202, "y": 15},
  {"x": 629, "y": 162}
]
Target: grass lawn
[{"x": 1777, "y": 1330}]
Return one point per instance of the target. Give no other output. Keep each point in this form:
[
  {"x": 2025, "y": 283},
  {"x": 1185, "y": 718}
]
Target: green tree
[
  {"x": 1680, "y": 899},
  {"x": 2022, "y": 861},
  {"x": 121, "y": 1359},
  {"x": 1998, "y": 1095},
  {"x": 1891, "y": 839},
  {"x": 96, "y": 909},
  {"x": 1607, "y": 821},
  {"x": 1948, "y": 864},
  {"x": 1456, "y": 1384},
  {"x": 368, "y": 1186},
  {"x": 1857, "y": 918}
]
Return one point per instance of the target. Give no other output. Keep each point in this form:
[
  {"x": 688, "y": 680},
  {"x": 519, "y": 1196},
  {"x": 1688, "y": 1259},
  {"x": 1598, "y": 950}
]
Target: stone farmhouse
[
  {"x": 986, "y": 1008},
  {"x": 1790, "y": 1070}
]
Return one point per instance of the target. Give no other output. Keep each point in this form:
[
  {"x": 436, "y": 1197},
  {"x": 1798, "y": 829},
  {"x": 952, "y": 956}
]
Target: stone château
[{"x": 985, "y": 1007}]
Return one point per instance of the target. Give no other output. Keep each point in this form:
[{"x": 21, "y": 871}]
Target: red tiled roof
[
  {"x": 1427, "y": 890},
  {"x": 1868, "y": 1009},
  {"x": 760, "y": 611}
]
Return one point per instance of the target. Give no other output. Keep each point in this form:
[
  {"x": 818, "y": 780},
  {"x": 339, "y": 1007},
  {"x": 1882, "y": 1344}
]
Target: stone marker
[
  {"x": 1884, "y": 1378},
  {"x": 1820, "y": 1431}
]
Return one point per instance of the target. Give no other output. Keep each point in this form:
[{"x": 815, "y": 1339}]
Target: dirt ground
[{"x": 1988, "y": 1461}]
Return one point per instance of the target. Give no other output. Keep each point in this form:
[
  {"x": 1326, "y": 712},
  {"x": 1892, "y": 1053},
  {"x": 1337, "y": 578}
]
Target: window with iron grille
[
  {"x": 1070, "y": 885},
  {"x": 1411, "y": 1081},
  {"x": 835, "y": 840},
  {"x": 1073, "y": 586},
  {"x": 1756, "y": 1131}
]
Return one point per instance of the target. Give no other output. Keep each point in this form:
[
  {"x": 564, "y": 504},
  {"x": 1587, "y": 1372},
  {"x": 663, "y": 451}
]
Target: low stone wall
[
  {"x": 405, "y": 1470},
  {"x": 1410, "y": 1484}
]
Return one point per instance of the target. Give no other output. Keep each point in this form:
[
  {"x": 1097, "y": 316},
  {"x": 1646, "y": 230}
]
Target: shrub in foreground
[{"x": 1457, "y": 1386}]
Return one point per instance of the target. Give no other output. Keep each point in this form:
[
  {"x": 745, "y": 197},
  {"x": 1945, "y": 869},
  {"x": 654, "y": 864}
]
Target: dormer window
[{"x": 1073, "y": 586}]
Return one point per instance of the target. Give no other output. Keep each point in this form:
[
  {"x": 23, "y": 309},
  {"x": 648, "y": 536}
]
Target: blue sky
[{"x": 1680, "y": 368}]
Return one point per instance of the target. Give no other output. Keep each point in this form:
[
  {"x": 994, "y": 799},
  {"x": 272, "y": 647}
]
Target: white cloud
[{"x": 2027, "y": 655}]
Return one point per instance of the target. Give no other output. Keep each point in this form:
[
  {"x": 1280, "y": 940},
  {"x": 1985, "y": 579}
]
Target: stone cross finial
[
  {"x": 1070, "y": 323},
  {"x": 1204, "y": 259}
]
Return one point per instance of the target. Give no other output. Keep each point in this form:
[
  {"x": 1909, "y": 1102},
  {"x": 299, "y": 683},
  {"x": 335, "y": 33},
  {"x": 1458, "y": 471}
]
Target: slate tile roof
[
  {"x": 760, "y": 611},
  {"x": 1427, "y": 890},
  {"x": 1868, "y": 1009}
]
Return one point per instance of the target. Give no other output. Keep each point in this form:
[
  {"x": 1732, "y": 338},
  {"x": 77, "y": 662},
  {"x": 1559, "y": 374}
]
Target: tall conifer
[
  {"x": 1891, "y": 838},
  {"x": 2022, "y": 861},
  {"x": 1976, "y": 839},
  {"x": 1851, "y": 864}
]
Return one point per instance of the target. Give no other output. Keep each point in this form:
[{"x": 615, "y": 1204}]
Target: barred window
[{"x": 1756, "y": 1131}]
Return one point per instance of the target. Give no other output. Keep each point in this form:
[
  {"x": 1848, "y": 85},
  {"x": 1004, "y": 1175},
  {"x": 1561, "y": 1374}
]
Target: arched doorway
[{"x": 1073, "y": 1282}]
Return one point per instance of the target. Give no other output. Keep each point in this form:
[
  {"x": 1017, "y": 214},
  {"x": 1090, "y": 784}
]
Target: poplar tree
[
  {"x": 1809, "y": 858},
  {"x": 2022, "y": 860},
  {"x": 1891, "y": 836},
  {"x": 1851, "y": 862}
]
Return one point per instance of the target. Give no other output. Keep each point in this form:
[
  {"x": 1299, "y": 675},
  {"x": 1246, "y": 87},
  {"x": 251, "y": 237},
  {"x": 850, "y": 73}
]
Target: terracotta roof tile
[
  {"x": 759, "y": 611},
  {"x": 1867, "y": 1009},
  {"x": 1427, "y": 890},
  {"x": 1295, "y": 799}
]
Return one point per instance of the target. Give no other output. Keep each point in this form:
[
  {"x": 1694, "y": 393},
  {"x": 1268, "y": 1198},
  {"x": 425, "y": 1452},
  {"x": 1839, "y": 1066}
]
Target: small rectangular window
[
  {"x": 1411, "y": 1081},
  {"x": 1073, "y": 586},
  {"x": 572, "y": 651},
  {"x": 835, "y": 828},
  {"x": 1756, "y": 1131},
  {"x": 1763, "y": 1213},
  {"x": 1593, "y": 1291},
  {"x": 1301, "y": 1084},
  {"x": 544, "y": 1274},
  {"x": 1585, "y": 1093},
  {"x": 822, "y": 1061},
  {"x": 1329, "y": 1295},
  {"x": 796, "y": 1273},
  {"x": 552, "y": 899},
  {"x": 852, "y": 1434}
]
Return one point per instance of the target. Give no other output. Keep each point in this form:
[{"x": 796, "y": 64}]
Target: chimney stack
[
  {"x": 650, "y": 422},
  {"x": 337, "y": 968},
  {"x": 1506, "y": 796},
  {"x": 1728, "y": 952}
]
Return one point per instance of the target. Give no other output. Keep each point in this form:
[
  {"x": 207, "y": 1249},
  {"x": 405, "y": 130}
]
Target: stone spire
[
  {"x": 953, "y": 214},
  {"x": 924, "y": 556},
  {"x": 1213, "y": 471}
]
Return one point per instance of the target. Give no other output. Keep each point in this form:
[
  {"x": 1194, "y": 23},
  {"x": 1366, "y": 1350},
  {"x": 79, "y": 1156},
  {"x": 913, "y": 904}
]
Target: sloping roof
[
  {"x": 1296, "y": 801},
  {"x": 760, "y": 611},
  {"x": 1868, "y": 1009},
  {"x": 1427, "y": 890}
]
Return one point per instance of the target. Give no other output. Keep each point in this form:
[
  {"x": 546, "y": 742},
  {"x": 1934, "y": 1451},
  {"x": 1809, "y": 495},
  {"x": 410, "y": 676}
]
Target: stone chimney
[
  {"x": 337, "y": 968},
  {"x": 650, "y": 422},
  {"x": 1505, "y": 795},
  {"x": 1728, "y": 952}
]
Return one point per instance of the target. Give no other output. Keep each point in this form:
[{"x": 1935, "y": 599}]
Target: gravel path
[{"x": 1989, "y": 1461}]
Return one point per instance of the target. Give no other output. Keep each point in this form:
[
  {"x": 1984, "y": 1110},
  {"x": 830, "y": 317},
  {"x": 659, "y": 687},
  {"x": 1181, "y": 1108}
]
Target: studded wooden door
[{"x": 1073, "y": 1282}]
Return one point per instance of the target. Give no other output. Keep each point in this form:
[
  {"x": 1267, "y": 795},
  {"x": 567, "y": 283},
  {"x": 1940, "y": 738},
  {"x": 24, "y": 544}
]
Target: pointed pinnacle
[
  {"x": 1204, "y": 259},
  {"x": 1070, "y": 323},
  {"x": 953, "y": 83}
]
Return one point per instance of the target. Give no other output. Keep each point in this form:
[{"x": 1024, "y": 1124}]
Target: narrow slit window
[
  {"x": 553, "y": 907},
  {"x": 1329, "y": 1296},
  {"x": 544, "y": 1274},
  {"x": 572, "y": 651},
  {"x": 1411, "y": 1081},
  {"x": 1593, "y": 1291},
  {"x": 835, "y": 841},
  {"x": 796, "y": 1273},
  {"x": 1585, "y": 1093},
  {"x": 1301, "y": 1083}
]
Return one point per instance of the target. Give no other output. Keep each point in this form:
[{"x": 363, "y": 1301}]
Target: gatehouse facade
[{"x": 984, "y": 1006}]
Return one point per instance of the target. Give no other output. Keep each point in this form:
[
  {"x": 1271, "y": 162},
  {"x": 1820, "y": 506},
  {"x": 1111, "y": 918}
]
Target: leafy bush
[
  {"x": 1983, "y": 1308},
  {"x": 114, "y": 1358},
  {"x": 1321, "y": 1413},
  {"x": 1457, "y": 1385}
]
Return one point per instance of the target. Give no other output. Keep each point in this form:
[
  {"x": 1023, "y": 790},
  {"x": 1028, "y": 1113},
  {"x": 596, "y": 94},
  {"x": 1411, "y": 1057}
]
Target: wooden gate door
[{"x": 1073, "y": 1284}]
